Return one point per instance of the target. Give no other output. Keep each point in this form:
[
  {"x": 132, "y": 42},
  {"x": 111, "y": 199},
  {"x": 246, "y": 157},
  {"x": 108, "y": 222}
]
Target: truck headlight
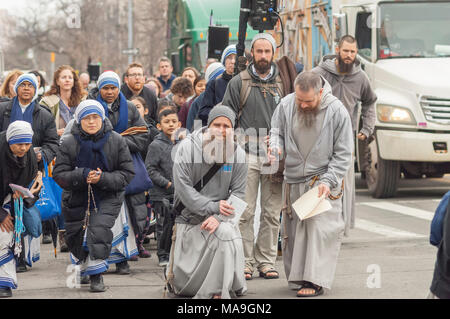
[{"x": 394, "y": 114}]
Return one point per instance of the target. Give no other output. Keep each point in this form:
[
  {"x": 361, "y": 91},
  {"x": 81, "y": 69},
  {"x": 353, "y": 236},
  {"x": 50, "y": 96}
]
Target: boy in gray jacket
[{"x": 159, "y": 166}]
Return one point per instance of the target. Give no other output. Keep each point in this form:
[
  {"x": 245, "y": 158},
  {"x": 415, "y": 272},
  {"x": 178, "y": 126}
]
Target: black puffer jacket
[
  {"x": 110, "y": 190},
  {"x": 44, "y": 128},
  {"x": 137, "y": 143},
  {"x": 159, "y": 166}
]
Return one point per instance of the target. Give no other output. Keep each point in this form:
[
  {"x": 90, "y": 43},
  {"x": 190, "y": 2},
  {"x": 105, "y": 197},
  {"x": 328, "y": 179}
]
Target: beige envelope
[{"x": 310, "y": 204}]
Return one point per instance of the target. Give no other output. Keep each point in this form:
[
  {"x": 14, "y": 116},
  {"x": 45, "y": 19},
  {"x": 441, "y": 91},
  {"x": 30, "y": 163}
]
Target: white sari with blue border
[{"x": 123, "y": 246}]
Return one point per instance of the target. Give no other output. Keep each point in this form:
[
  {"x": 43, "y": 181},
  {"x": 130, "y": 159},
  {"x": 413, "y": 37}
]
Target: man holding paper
[
  {"x": 312, "y": 129},
  {"x": 207, "y": 257}
]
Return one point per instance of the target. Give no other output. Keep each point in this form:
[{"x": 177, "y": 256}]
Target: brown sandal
[
  {"x": 308, "y": 285},
  {"x": 265, "y": 274},
  {"x": 248, "y": 274}
]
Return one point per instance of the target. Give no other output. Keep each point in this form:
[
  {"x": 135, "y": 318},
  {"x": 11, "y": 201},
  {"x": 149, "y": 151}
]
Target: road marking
[
  {"x": 407, "y": 189},
  {"x": 401, "y": 209},
  {"x": 384, "y": 230},
  {"x": 414, "y": 201}
]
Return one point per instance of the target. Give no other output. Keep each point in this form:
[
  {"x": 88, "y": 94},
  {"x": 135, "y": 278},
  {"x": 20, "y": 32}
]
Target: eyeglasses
[
  {"x": 135, "y": 75},
  {"x": 26, "y": 85}
]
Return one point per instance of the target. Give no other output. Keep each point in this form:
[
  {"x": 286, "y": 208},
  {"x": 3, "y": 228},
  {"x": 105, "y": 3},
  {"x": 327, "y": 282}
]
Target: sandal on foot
[
  {"x": 317, "y": 290},
  {"x": 265, "y": 274},
  {"x": 248, "y": 274}
]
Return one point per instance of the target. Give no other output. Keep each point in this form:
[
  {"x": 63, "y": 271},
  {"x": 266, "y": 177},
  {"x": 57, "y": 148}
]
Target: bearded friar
[
  {"x": 311, "y": 129},
  {"x": 350, "y": 84},
  {"x": 207, "y": 256}
]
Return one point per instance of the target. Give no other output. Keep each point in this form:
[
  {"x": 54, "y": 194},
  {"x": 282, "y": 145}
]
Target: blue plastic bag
[
  {"x": 49, "y": 203},
  {"x": 32, "y": 221},
  {"x": 141, "y": 182},
  {"x": 438, "y": 219}
]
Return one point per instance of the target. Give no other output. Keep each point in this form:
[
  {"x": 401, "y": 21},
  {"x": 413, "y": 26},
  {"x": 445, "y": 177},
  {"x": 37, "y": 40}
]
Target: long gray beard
[
  {"x": 308, "y": 117},
  {"x": 217, "y": 150}
]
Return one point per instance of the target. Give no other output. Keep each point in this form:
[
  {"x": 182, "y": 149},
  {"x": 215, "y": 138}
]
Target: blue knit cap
[
  {"x": 88, "y": 107},
  {"x": 19, "y": 132},
  {"x": 231, "y": 49},
  {"x": 30, "y": 77},
  {"x": 108, "y": 78},
  {"x": 214, "y": 70}
]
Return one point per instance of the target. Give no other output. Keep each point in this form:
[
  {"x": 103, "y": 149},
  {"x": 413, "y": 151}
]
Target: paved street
[{"x": 391, "y": 236}]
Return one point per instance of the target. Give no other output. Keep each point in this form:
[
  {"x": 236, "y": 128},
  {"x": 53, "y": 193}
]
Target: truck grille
[{"x": 436, "y": 109}]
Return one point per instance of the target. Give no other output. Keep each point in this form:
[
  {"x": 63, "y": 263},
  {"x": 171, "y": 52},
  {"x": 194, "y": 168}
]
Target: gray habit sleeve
[{"x": 342, "y": 150}]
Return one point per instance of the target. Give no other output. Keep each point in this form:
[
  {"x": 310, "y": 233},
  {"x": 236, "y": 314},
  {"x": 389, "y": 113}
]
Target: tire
[
  {"x": 383, "y": 176},
  {"x": 435, "y": 175},
  {"x": 411, "y": 175}
]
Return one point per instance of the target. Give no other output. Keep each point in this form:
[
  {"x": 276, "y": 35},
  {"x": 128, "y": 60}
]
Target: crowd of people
[{"x": 167, "y": 154}]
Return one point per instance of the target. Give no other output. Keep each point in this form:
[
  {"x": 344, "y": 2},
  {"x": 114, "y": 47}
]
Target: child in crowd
[
  {"x": 199, "y": 87},
  {"x": 159, "y": 166}
]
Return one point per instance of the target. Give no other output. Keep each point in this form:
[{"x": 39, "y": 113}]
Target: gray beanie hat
[
  {"x": 221, "y": 110},
  {"x": 267, "y": 37}
]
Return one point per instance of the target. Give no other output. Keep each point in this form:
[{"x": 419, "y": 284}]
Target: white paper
[
  {"x": 24, "y": 191},
  {"x": 239, "y": 207},
  {"x": 310, "y": 204}
]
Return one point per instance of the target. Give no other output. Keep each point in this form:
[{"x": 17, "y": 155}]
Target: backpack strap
[
  {"x": 247, "y": 84},
  {"x": 200, "y": 184},
  {"x": 245, "y": 91}
]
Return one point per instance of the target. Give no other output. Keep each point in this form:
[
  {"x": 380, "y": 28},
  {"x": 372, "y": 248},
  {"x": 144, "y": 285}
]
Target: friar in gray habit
[
  {"x": 207, "y": 256},
  {"x": 312, "y": 129}
]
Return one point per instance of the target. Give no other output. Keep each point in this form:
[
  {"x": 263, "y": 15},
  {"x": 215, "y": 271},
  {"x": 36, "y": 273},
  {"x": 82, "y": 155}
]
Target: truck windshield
[{"x": 414, "y": 30}]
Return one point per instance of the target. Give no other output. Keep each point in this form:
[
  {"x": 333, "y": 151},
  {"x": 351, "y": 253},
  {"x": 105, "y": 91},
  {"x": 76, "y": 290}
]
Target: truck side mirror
[{"x": 340, "y": 25}]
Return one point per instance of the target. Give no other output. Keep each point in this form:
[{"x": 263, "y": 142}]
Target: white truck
[{"x": 404, "y": 47}]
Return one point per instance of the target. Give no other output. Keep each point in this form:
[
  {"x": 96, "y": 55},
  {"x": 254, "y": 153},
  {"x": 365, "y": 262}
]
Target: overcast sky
[{"x": 13, "y": 5}]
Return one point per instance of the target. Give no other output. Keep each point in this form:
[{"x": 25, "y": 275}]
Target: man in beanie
[
  {"x": 206, "y": 258},
  {"x": 215, "y": 90},
  {"x": 123, "y": 115},
  {"x": 253, "y": 96}
]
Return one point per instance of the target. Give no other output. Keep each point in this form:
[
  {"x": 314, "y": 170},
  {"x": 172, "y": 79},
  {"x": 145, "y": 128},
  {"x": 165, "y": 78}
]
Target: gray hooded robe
[
  {"x": 311, "y": 247},
  {"x": 206, "y": 264},
  {"x": 350, "y": 89}
]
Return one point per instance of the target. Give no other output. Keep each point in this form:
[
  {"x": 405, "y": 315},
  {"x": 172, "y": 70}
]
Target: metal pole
[{"x": 130, "y": 29}]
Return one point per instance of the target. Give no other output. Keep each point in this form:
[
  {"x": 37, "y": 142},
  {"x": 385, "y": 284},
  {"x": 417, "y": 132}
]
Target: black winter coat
[
  {"x": 214, "y": 92},
  {"x": 110, "y": 190},
  {"x": 14, "y": 170},
  {"x": 44, "y": 128},
  {"x": 137, "y": 143}
]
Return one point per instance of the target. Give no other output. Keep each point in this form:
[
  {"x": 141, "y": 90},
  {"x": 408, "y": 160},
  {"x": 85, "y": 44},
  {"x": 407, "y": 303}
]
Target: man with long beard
[
  {"x": 207, "y": 259},
  {"x": 312, "y": 130},
  {"x": 350, "y": 84},
  {"x": 254, "y": 95}
]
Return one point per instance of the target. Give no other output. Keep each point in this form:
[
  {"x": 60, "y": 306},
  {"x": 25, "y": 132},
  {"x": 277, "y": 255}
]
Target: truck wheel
[
  {"x": 435, "y": 175},
  {"x": 409, "y": 175},
  {"x": 383, "y": 176}
]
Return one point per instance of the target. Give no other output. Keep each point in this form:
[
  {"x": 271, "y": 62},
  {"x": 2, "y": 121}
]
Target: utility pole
[
  {"x": 52, "y": 63},
  {"x": 130, "y": 29}
]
